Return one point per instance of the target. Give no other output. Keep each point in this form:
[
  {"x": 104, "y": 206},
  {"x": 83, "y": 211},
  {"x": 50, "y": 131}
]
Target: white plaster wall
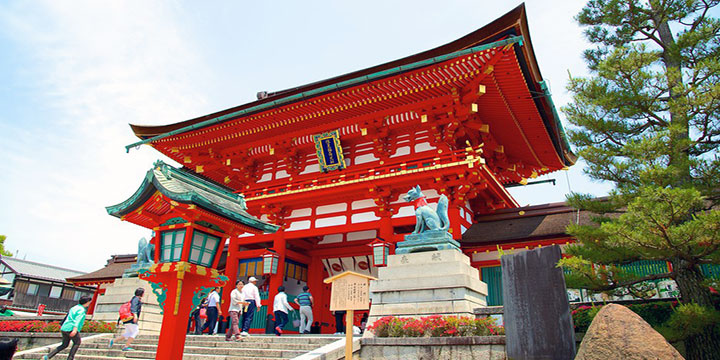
[
  {"x": 331, "y": 239},
  {"x": 300, "y": 213},
  {"x": 361, "y": 235},
  {"x": 363, "y": 217},
  {"x": 424, "y": 146},
  {"x": 265, "y": 177},
  {"x": 363, "y": 204},
  {"x": 299, "y": 225},
  {"x": 331, "y": 221},
  {"x": 281, "y": 174},
  {"x": 332, "y": 208},
  {"x": 405, "y": 211},
  {"x": 312, "y": 168},
  {"x": 486, "y": 256},
  {"x": 405, "y": 150},
  {"x": 362, "y": 159}
]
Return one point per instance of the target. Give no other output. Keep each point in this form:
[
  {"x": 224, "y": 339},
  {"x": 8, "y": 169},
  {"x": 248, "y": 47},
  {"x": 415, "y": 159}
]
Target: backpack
[{"x": 125, "y": 312}]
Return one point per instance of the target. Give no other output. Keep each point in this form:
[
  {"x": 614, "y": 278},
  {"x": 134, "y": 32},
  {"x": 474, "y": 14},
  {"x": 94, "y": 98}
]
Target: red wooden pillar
[
  {"x": 316, "y": 285},
  {"x": 386, "y": 230},
  {"x": 276, "y": 280},
  {"x": 98, "y": 292},
  {"x": 455, "y": 219},
  {"x": 182, "y": 286},
  {"x": 189, "y": 232},
  {"x": 158, "y": 242},
  {"x": 231, "y": 270}
]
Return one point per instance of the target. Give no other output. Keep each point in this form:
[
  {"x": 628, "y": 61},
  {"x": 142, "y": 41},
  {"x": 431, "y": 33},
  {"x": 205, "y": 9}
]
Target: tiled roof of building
[
  {"x": 530, "y": 222},
  {"x": 37, "y": 270},
  {"x": 114, "y": 269}
]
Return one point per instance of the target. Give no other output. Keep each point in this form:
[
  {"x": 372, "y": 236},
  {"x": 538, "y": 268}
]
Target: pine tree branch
[
  {"x": 614, "y": 285},
  {"x": 701, "y": 18}
]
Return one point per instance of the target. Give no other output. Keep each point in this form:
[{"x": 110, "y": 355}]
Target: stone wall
[
  {"x": 471, "y": 348},
  {"x": 29, "y": 340}
]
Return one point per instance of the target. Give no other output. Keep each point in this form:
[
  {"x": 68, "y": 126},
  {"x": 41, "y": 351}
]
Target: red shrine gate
[{"x": 328, "y": 162}]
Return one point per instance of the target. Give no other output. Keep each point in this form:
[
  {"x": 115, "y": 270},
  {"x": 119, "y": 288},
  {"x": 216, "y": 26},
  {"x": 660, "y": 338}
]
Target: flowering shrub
[
  {"x": 435, "y": 326},
  {"x": 53, "y": 326}
]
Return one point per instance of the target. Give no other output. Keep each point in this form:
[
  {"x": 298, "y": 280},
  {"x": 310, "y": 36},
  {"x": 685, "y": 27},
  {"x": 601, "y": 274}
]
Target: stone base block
[
  {"x": 433, "y": 240},
  {"x": 427, "y": 283},
  {"x": 120, "y": 292}
]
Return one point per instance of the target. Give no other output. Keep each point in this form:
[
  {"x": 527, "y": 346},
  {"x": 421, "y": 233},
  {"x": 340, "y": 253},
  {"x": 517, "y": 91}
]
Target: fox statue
[{"x": 427, "y": 218}]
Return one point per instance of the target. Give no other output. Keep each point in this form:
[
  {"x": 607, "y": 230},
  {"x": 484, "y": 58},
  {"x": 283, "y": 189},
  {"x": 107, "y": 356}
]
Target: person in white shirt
[
  {"x": 236, "y": 304},
  {"x": 280, "y": 309},
  {"x": 251, "y": 294},
  {"x": 213, "y": 311}
]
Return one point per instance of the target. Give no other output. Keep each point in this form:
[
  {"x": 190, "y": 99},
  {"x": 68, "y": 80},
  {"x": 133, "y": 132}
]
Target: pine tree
[{"x": 647, "y": 120}]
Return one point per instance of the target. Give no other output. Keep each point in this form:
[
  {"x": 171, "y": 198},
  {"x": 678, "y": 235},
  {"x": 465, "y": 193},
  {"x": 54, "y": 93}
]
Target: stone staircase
[{"x": 200, "y": 347}]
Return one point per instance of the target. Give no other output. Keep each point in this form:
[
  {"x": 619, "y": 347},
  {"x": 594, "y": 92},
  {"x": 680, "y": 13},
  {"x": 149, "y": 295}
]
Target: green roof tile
[{"x": 189, "y": 189}]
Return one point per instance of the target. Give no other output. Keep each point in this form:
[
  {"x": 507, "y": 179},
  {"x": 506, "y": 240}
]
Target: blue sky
[{"x": 73, "y": 74}]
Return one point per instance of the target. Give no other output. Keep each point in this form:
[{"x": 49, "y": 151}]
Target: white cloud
[{"x": 100, "y": 65}]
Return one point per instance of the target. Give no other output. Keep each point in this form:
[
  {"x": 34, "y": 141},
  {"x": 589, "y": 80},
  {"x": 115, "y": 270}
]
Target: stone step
[
  {"x": 96, "y": 357},
  {"x": 200, "y": 352},
  {"x": 87, "y": 353},
  {"x": 286, "y": 339},
  {"x": 199, "y": 347},
  {"x": 214, "y": 345}
]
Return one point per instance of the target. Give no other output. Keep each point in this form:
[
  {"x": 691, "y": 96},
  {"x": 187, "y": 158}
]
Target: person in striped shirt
[{"x": 305, "y": 300}]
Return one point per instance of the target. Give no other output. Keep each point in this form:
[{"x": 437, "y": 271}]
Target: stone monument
[
  {"x": 428, "y": 275},
  {"x": 538, "y": 324}
]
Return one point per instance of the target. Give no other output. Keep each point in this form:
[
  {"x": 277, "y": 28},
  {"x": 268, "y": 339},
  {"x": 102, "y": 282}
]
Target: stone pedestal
[
  {"x": 427, "y": 283},
  {"x": 120, "y": 292},
  {"x": 431, "y": 240}
]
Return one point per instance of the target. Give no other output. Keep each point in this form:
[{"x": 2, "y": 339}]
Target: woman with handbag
[{"x": 237, "y": 301}]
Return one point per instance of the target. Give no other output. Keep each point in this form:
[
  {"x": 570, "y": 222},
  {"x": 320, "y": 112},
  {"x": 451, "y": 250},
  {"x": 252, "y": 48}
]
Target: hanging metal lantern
[
  {"x": 270, "y": 262},
  {"x": 380, "y": 252}
]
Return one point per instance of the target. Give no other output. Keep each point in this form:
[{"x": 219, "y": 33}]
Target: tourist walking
[
  {"x": 306, "y": 302},
  {"x": 251, "y": 294},
  {"x": 131, "y": 324},
  {"x": 213, "y": 311},
  {"x": 70, "y": 328},
  {"x": 236, "y": 305},
  {"x": 280, "y": 309},
  {"x": 340, "y": 321}
]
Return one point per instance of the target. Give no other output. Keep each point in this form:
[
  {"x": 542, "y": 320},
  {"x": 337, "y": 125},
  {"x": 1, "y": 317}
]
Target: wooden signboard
[{"x": 350, "y": 291}]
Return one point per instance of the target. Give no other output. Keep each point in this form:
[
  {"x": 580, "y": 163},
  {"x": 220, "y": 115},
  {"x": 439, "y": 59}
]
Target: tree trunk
[
  {"x": 689, "y": 280},
  {"x": 673, "y": 69}
]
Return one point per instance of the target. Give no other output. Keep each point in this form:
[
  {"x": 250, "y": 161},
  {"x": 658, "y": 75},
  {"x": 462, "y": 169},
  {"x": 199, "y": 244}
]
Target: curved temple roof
[
  {"x": 509, "y": 26},
  {"x": 188, "y": 189}
]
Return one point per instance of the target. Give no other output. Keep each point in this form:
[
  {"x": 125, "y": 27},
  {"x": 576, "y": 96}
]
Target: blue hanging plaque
[{"x": 329, "y": 151}]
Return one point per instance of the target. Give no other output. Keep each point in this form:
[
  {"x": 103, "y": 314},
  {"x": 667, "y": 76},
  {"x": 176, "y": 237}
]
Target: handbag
[
  {"x": 296, "y": 323},
  {"x": 203, "y": 313}
]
